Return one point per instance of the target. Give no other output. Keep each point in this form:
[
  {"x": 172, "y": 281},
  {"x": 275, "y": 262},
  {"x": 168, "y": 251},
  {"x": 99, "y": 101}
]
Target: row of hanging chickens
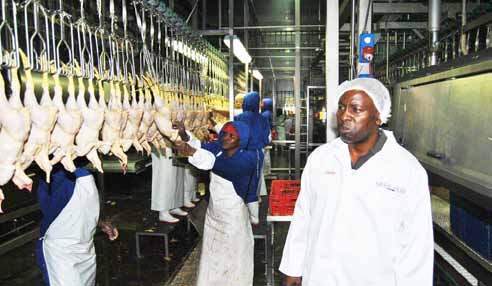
[{"x": 138, "y": 114}]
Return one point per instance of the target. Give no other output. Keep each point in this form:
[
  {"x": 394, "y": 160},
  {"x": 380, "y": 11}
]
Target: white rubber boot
[
  {"x": 189, "y": 205},
  {"x": 178, "y": 212},
  {"x": 165, "y": 216}
]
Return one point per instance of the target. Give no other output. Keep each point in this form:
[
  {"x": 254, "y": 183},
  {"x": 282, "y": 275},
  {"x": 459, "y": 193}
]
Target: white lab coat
[
  {"x": 68, "y": 245},
  {"x": 370, "y": 226},
  {"x": 190, "y": 184},
  {"x": 227, "y": 256},
  {"x": 167, "y": 183}
]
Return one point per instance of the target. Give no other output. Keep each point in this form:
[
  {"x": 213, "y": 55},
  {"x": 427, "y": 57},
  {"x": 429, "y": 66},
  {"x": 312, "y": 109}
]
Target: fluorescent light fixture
[
  {"x": 257, "y": 74},
  {"x": 186, "y": 50},
  {"x": 239, "y": 51}
]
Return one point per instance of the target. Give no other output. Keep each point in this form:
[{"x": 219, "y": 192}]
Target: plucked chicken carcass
[
  {"x": 43, "y": 120},
  {"x": 135, "y": 113},
  {"x": 67, "y": 126},
  {"x": 114, "y": 117},
  {"x": 16, "y": 122},
  {"x": 153, "y": 135},
  {"x": 147, "y": 119},
  {"x": 87, "y": 140},
  {"x": 190, "y": 114},
  {"x": 162, "y": 117}
]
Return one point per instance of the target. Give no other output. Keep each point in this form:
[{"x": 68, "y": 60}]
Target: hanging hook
[{"x": 9, "y": 59}]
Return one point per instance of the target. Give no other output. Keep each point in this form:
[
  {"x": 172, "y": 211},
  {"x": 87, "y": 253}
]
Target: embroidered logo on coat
[{"x": 391, "y": 187}]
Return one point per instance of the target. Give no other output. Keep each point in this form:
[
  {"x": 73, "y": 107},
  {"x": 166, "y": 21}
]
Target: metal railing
[{"x": 472, "y": 38}]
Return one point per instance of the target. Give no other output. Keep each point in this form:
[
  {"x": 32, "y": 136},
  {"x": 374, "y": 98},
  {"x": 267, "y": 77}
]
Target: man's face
[
  {"x": 230, "y": 141},
  {"x": 357, "y": 117}
]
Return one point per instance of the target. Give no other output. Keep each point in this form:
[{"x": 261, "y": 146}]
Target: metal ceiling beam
[
  {"x": 292, "y": 48},
  {"x": 280, "y": 27},
  {"x": 214, "y": 32},
  {"x": 400, "y": 25},
  {"x": 412, "y": 8},
  {"x": 281, "y": 57},
  {"x": 280, "y": 68},
  {"x": 392, "y": 26},
  {"x": 399, "y": 8}
]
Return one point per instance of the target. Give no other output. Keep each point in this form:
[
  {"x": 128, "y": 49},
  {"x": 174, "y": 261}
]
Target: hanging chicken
[{"x": 43, "y": 120}]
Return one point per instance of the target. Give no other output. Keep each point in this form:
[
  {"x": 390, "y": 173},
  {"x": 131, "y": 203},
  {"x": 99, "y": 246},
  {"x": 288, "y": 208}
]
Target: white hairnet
[{"x": 375, "y": 89}]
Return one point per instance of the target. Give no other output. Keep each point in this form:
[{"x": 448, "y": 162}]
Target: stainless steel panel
[{"x": 446, "y": 124}]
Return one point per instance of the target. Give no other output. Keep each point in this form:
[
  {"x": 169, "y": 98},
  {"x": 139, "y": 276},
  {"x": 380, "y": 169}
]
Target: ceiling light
[
  {"x": 239, "y": 51},
  {"x": 257, "y": 74}
]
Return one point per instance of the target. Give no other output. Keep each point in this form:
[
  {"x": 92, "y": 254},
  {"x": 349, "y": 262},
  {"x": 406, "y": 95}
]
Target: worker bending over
[{"x": 70, "y": 207}]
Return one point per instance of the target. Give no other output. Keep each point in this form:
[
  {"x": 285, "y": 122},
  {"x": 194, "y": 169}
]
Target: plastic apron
[
  {"x": 68, "y": 245},
  {"x": 227, "y": 256},
  {"x": 167, "y": 188}
]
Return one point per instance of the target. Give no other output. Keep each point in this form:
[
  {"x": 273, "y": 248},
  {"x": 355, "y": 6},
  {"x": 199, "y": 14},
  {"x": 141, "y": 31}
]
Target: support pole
[
  {"x": 246, "y": 42},
  {"x": 274, "y": 99},
  {"x": 260, "y": 84},
  {"x": 231, "y": 60},
  {"x": 246, "y": 82},
  {"x": 297, "y": 90},
  {"x": 246, "y": 24},
  {"x": 352, "y": 42},
  {"x": 171, "y": 4},
  {"x": 220, "y": 23},
  {"x": 331, "y": 66},
  {"x": 434, "y": 25},
  {"x": 204, "y": 14},
  {"x": 364, "y": 23}
]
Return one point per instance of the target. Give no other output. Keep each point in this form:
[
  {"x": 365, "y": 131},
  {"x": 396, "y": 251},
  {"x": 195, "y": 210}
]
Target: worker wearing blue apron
[{"x": 65, "y": 249}]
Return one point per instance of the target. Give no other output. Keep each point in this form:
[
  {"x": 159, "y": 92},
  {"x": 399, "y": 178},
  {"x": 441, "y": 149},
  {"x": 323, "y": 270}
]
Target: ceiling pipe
[{"x": 434, "y": 26}]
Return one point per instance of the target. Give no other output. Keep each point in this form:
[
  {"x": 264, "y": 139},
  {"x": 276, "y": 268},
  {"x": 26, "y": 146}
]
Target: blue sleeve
[
  {"x": 213, "y": 147},
  {"x": 43, "y": 196},
  {"x": 241, "y": 164},
  {"x": 266, "y": 130},
  {"x": 52, "y": 198}
]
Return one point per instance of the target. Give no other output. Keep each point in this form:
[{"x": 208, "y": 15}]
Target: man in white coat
[{"x": 363, "y": 216}]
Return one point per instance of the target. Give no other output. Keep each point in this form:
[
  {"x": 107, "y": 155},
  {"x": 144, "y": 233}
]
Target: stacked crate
[
  {"x": 283, "y": 197},
  {"x": 472, "y": 224}
]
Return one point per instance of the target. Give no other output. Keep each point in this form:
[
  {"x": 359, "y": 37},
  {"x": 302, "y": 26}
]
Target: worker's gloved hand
[
  {"x": 109, "y": 229},
  {"x": 292, "y": 281},
  {"x": 182, "y": 131},
  {"x": 253, "y": 208}
]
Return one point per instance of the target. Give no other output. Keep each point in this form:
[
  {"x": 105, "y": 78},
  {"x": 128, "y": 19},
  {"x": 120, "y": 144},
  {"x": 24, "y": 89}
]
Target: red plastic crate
[{"x": 283, "y": 196}]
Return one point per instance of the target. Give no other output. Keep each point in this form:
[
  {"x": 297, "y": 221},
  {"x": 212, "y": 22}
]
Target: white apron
[
  {"x": 227, "y": 256},
  {"x": 189, "y": 185},
  {"x": 68, "y": 245},
  {"x": 166, "y": 194}
]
